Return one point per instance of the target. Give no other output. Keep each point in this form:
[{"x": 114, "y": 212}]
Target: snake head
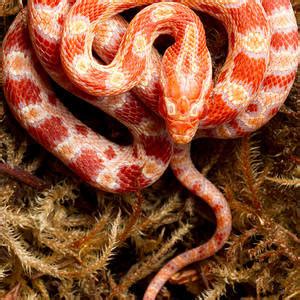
[{"x": 181, "y": 105}]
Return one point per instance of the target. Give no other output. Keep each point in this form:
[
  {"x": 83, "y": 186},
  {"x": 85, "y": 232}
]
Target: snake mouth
[
  {"x": 181, "y": 139},
  {"x": 183, "y": 132}
]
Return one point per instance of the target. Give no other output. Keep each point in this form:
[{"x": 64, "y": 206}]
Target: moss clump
[{"x": 59, "y": 238}]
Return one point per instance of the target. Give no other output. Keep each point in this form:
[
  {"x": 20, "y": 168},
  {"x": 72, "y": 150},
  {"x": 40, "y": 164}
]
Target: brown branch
[
  {"x": 247, "y": 170},
  {"x": 137, "y": 209},
  {"x": 23, "y": 176},
  {"x": 13, "y": 294}
]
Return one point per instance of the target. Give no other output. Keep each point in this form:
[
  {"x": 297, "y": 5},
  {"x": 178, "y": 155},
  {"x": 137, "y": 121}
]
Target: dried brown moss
[{"x": 59, "y": 238}]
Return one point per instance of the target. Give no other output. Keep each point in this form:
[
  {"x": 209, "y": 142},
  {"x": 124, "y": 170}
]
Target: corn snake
[{"x": 272, "y": 62}]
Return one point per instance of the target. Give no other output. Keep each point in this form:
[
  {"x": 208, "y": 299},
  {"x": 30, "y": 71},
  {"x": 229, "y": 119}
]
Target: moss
[{"x": 59, "y": 238}]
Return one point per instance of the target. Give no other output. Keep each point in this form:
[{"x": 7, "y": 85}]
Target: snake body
[{"x": 57, "y": 38}]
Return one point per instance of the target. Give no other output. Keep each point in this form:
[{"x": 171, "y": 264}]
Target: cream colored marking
[
  {"x": 72, "y": 145},
  {"x": 150, "y": 169},
  {"x": 118, "y": 101},
  {"x": 81, "y": 64},
  {"x": 67, "y": 150},
  {"x": 34, "y": 114},
  {"x": 108, "y": 180},
  {"x": 162, "y": 12},
  {"x": 139, "y": 44},
  {"x": 116, "y": 79},
  {"x": 18, "y": 64},
  {"x": 283, "y": 19},
  {"x": 237, "y": 95},
  {"x": 284, "y": 60},
  {"x": 48, "y": 18},
  {"x": 268, "y": 99},
  {"x": 255, "y": 42},
  {"x": 232, "y": 3},
  {"x": 254, "y": 122},
  {"x": 78, "y": 25}
]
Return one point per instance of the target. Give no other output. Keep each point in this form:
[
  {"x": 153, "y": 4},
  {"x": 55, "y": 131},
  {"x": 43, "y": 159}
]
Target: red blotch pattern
[
  {"x": 252, "y": 108},
  {"x": 153, "y": 147},
  {"x": 50, "y": 133},
  {"x": 248, "y": 70},
  {"x": 131, "y": 112},
  {"x": 248, "y": 16},
  {"x": 110, "y": 153},
  {"x": 52, "y": 99},
  {"x": 129, "y": 177},
  {"x": 269, "y": 6},
  {"x": 217, "y": 208},
  {"x": 81, "y": 129},
  {"x": 23, "y": 91},
  {"x": 217, "y": 111},
  {"x": 273, "y": 111},
  {"x": 87, "y": 165},
  {"x": 279, "y": 81},
  {"x": 285, "y": 40},
  {"x": 50, "y": 51},
  {"x": 219, "y": 238},
  {"x": 222, "y": 76}
]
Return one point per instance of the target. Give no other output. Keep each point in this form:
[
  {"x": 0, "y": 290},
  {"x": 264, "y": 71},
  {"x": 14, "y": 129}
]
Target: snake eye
[
  {"x": 171, "y": 109},
  {"x": 195, "y": 108}
]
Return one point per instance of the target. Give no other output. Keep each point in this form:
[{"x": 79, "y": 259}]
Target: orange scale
[
  {"x": 217, "y": 111},
  {"x": 222, "y": 76},
  {"x": 75, "y": 45},
  {"x": 211, "y": 9},
  {"x": 248, "y": 16},
  {"x": 286, "y": 40},
  {"x": 248, "y": 70},
  {"x": 269, "y": 6}
]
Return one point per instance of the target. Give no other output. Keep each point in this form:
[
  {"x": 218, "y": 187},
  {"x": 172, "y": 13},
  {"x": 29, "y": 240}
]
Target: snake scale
[{"x": 131, "y": 82}]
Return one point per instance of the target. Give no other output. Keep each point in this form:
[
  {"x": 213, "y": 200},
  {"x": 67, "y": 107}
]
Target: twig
[
  {"x": 137, "y": 208},
  {"x": 23, "y": 176}
]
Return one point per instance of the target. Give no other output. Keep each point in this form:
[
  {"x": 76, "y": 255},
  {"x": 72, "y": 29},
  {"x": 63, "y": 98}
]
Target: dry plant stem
[
  {"x": 285, "y": 181},
  {"x": 263, "y": 251},
  {"x": 146, "y": 266},
  {"x": 91, "y": 234},
  {"x": 184, "y": 276},
  {"x": 137, "y": 209},
  {"x": 13, "y": 294},
  {"x": 23, "y": 176},
  {"x": 248, "y": 172}
]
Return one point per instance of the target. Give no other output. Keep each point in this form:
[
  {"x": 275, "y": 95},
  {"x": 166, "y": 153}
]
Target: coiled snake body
[{"x": 57, "y": 37}]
